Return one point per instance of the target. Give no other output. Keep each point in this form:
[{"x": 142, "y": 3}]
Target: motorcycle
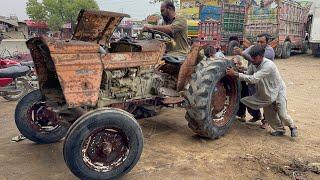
[
  {"x": 13, "y": 84},
  {"x": 16, "y": 78}
]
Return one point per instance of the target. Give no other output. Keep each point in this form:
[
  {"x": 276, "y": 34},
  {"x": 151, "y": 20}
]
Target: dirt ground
[{"x": 172, "y": 151}]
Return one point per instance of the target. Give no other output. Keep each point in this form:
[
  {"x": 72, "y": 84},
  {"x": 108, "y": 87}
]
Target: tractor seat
[
  {"x": 174, "y": 59},
  {"x": 14, "y": 71}
]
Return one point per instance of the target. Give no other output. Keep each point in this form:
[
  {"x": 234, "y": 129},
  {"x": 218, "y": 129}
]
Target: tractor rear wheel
[{"x": 213, "y": 99}]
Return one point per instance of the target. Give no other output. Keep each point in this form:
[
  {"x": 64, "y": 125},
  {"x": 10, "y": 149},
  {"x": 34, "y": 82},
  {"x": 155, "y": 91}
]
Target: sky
[{"x": 137, "y": 9}]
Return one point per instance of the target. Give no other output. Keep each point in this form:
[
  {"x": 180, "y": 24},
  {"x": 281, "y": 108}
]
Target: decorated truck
[
  {"x": 315, "y": 31},
  {"x": 218, "y": 24},
  {"x": 283, "y": 20}
]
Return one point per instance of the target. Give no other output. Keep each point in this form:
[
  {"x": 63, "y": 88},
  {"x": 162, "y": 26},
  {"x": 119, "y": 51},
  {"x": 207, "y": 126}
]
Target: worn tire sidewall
[
  {"x": 222, "y": 129},
  {"x": 21, "y": 113},
  {"x": 77, "y": 135},
  {"x": 209, "y": 129}
]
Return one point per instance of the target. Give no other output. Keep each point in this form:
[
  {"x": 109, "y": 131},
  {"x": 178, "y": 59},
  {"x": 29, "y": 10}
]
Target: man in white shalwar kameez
[{"x": 270, "y": 91}]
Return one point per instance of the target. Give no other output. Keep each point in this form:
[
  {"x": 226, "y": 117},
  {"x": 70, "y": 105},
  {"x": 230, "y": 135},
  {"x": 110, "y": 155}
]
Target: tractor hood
[{"x": 96, "y": 26}]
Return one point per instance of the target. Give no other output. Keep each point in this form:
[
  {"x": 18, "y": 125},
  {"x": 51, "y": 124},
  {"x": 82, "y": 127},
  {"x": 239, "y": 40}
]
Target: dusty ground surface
[{"x": 172, "y": 151}]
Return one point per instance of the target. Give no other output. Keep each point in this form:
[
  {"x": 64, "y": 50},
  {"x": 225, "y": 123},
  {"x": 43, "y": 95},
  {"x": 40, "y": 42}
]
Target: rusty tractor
[{"x": 92, "y": 91}]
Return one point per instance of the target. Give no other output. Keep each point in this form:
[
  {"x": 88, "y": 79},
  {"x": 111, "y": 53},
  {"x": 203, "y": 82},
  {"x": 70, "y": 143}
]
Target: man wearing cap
[{"x": 270, "y": 91}]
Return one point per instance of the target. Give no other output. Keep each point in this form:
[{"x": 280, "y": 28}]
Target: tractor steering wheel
[{"x": 155, "y": 34}]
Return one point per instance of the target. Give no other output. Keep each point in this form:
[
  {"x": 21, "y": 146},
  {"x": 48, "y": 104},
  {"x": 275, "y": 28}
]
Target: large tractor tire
[
  {"x": 36, "y": 122},
  {"x": 286, "y": 50},
  {"x": 103, "y": 144},
  {"x": 213, "y": 99},
  {"x": 232, "y": 44}
]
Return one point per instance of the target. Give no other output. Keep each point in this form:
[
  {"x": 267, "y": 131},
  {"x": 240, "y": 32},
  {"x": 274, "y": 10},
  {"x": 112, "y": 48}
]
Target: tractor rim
[
  {"x": 223, "y": 101},
  {"x": 105, "y": 149}
]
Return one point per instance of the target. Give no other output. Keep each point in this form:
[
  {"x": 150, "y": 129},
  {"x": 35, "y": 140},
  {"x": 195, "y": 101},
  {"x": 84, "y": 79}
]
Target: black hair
[
  {"x": 257, "y": 50},
  {"x": 169, "y": 5},
  {"x": 267, "y": 36}
]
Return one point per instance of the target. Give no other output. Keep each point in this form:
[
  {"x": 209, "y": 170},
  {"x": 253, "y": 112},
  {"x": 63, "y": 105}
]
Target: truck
[
  {"x": 283, "y": 20},
  {"x": 315, "y": 31},
  {"x": 228, "y": 16}
]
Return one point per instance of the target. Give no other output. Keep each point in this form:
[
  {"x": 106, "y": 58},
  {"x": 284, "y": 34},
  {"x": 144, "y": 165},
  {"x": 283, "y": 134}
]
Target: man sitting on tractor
[{"x": 173, "y": 25}]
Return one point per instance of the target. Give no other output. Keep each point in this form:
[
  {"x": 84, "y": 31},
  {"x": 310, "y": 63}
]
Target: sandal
[
  {"x": 254, "y": 119},
  {"x": 277, "y": 133},
  {"x": 294, "y": 132},
  {"x": 242, "y": 118}
]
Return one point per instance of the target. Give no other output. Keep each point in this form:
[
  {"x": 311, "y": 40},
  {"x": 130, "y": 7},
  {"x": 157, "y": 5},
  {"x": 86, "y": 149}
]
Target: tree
[{"x": 58, "y": 12}]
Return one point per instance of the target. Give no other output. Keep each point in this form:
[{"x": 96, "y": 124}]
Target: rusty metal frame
[{"x": 188, "y": 67}]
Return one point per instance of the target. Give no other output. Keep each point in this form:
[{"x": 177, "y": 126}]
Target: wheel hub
[
  {"x": 223, "y": 101},
  {"x": 41, "y": 118},
  {"x": 219, "y": 98},
  {"x": 105, "y": 149}
]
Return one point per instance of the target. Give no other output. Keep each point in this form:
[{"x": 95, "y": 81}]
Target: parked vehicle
[
  {"x": 315, "y": 32},
  {"x": 230, "y": 18},
  {"x": 93, "y": 95},
  {"x": 13, "y": 84},
  {"x": 209, "y": 36},
  {"x": 283, "y": 20},
  {"x": 19, "y": 85}
]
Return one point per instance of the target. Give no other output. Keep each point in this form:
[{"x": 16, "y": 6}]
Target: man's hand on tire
[{"x": 231, "y": 72}]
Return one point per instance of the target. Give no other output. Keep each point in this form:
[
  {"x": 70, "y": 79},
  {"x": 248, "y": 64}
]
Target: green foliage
[{"x": 58, "y": 12}]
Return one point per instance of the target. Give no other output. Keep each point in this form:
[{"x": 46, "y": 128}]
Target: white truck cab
[{"x": 315, "y": 31}]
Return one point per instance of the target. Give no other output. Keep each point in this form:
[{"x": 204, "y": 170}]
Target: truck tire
[
  {"x": 232, "y": 44},
  {"x": 212, "y": 98},
  {"x": 316, "y": 52},
  {"x": 103, "y": 144},
  {"x": 286, "y": 50},
  {"x": 305, "y": 47},
  {"x": 278, "y": 51},
  {"x": 36, "y": 122}
]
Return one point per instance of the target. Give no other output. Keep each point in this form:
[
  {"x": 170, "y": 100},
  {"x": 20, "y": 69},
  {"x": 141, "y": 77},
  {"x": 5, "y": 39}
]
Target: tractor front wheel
[
  {"x": 103, "y": 144},
  {"x": 36, "y": 121}
]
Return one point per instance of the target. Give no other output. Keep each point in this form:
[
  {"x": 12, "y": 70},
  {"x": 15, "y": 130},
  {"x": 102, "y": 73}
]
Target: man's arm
[
  {"x": 256, "y": 77},
  {"x": 164, "y": 28},
  {"x": 269, "y": 54},
  {"x": 245, "y": 54},
  {"x": 177, "y": 25},
  {"x": 252, "y": 79}
]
